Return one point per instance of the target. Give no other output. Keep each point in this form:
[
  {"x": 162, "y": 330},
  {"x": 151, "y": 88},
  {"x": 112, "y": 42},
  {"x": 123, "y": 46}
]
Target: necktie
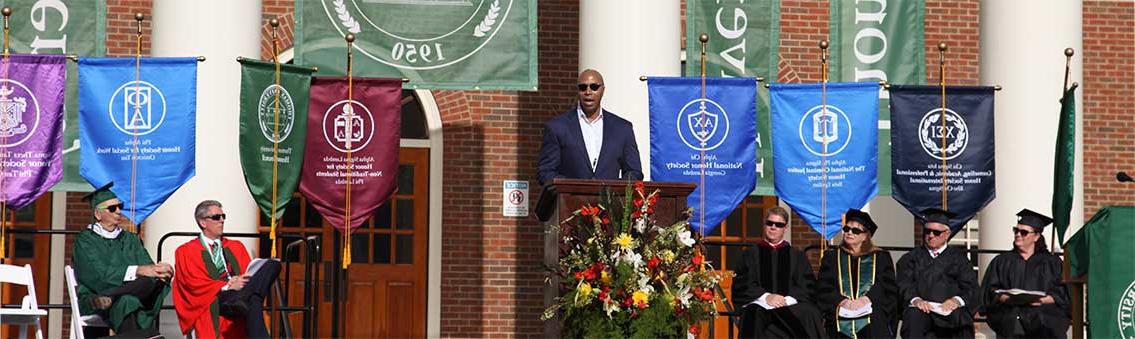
[{"x": 218, "y": 259}]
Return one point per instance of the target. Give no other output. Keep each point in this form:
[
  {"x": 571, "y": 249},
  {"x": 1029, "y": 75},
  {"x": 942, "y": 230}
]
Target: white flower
[
  {"x": 640, "y": 225},
  {"x": 684, "y": 296},
  {"x": 685, "y": 238},
  {"x": 632, "y": 258}
]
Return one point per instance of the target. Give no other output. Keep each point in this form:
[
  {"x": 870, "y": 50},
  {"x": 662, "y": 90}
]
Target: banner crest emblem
[
  {"x": 701, "y": 125},
  {"x": 349, "y": 129},
  {"x": 141, "y": 108},
  {"x": 14, "y": 108},
  {"x": 824, "y": 126},
  {"x": 266, "y": 112},
  {"x": 930, "y": 134}
]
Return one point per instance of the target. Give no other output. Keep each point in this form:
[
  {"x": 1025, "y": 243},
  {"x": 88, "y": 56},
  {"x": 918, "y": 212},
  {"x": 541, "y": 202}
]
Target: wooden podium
[{"x": 564, "y": 196}]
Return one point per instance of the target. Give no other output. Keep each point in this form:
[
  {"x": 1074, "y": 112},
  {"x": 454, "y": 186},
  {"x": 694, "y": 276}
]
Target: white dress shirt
[{"x": 592, "y": 135}]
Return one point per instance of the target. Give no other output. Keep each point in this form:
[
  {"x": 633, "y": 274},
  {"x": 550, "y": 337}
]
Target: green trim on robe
[
  {"x": 100, "y": 265},
  {"x": 854, "y": 288},
  {"x": 215, "y": 274}
]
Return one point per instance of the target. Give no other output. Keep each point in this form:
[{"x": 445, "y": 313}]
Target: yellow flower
[
  {"x": 667, "y": 256},
  {"x": 624, "y": 241},
  {"x": 640, "y": 298},
  {"x": 585, "y": 289},
  {"x": 605, "y": 278}
]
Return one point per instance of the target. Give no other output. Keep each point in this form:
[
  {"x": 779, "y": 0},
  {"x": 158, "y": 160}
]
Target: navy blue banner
[
  {"x": 809, "y": 137},
  {"x": 717, "y": 134},
  {"x": 923, "y": 139},
  {"x": 138, "y": 130}
]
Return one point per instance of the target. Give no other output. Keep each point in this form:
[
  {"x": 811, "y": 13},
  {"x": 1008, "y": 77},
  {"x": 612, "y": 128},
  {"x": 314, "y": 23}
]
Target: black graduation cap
[
  {"x": 1034, "y": 219},
  {"x": 100, "y": 195},
  {"x": 861, "y": 217},
  {"x": 937, "y": 215}
]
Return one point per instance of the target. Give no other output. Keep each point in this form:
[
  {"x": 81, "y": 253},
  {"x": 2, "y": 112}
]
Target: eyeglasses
[
  {"x": 853, "y": 230},
  {"x": 1022, "y": 232},
  {"x": 935, "y": 232},
  {"x": 215, "y": 217},
  {"x": 113, "y": 208},
  {"x": 584, "y": 87},
  {"x": 776, "y": 224}
]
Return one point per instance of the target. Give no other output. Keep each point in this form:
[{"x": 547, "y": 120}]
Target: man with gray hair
[{"x": 218, "y": 290}]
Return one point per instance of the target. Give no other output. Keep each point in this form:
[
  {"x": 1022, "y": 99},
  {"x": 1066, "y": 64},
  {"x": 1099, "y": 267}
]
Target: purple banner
[{"x": 31, "y": 126}]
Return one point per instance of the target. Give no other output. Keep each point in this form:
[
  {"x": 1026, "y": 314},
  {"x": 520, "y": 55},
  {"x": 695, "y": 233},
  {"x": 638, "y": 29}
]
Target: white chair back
[
  {"x": 76, "y": 322},
  {"x": 29, "y": 312}
]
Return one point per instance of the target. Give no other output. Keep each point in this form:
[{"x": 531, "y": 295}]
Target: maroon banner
[{"x": 351, "y": 144}]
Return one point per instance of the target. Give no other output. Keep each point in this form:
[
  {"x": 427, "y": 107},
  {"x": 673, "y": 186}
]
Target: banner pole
[
  {"x": 7, "y": 12},
  {"x": 703, "y": 38},
  {"x": 350, "y": 110},
  {"x": 138, "y": 17},
  {"x": 275, "y": 23},
  {"x": 824, "y": 154},
  {"x": 942, "y": 118}
]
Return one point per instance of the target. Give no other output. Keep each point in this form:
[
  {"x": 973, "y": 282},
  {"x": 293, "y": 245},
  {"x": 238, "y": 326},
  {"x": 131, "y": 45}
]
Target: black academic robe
[
  {"x": 779, "y": 270},
  {"x": 100, "y": 266},
  {"x": 1041, "y": 272},
  {"x": 883, "y": 293},
  {"x": 937, "y": 279}
]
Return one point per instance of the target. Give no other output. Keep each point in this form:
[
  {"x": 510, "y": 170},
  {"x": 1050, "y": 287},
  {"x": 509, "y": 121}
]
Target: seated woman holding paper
[
  {"x": 1024, "y": 295},
  {"x": 857, "y": 290}
]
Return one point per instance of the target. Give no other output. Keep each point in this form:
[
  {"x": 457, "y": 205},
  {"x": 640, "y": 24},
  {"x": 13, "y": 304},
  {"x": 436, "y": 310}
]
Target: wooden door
[
  {"x": 28, "y": 249},
  {"x": 386, "y": 287}
]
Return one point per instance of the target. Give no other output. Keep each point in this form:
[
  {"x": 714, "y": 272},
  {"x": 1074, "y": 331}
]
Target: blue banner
[
  {"x": 841, "y": 136},
  {"x": 716, "y": 134},
  {"x": 923, "y": 140},
  {"x": 138, "y": 128}
]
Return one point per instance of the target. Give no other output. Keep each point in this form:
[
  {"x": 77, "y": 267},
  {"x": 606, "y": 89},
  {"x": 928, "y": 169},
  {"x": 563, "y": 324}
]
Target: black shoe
[{"x": 232, "y": 305}]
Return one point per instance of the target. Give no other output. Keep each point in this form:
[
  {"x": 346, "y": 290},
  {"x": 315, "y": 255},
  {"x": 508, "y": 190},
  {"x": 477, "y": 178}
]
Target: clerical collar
[
  {"x": 95, "y": 227},
  {"x": 778, "y": 245}
]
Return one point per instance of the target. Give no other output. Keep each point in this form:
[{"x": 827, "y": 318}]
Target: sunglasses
[
  {"x": 853, "y": 230},
  {"x": 114, "y": 208},
  {"x": 584, "y": 87},
  {"x": 1022, "y": 232},
  {"x": 776, "y": 224},
  {"x": 215, "y": 217},
  {"x": 935, "y": 232}
]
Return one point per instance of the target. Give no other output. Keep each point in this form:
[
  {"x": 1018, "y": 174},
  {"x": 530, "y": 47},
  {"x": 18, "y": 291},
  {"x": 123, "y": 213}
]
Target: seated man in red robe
[{"x": 213, "y": 291}]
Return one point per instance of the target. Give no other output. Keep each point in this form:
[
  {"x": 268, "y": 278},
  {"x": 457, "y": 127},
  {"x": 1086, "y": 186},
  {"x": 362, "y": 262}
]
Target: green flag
[
  {"x": 878, "y": 41},
  {"x": 744, "y": 39},
  {"x": 261, "y": 123},
  {"x": 437, "y": 44},
  {"x": 61, "y": 27},
  {"x": 1102, "y": 249},
  {"x": 1065, "y": 160}
]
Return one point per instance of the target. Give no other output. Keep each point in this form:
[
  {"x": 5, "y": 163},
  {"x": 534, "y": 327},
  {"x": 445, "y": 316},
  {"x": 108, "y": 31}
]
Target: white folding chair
[
  {"x": 78, "y": 321},
  {"x": 29, "y": 311}
]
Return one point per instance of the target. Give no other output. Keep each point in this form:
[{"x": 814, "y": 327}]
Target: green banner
[
  {"x": 61, "y": 27},
  {"x": 878, "y": 41},
  {"x": 273, "y": 125},
  {"x": 1102, "y": 249},
  {"x": 436, "y": 44},
  {"x": 744, "y": 39}
]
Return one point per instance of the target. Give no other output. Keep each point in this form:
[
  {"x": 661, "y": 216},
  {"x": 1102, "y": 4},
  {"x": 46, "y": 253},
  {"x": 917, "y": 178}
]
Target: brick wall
[
  {"x": 1108, "y": 89},
  {"x": 491, "y": 273}
]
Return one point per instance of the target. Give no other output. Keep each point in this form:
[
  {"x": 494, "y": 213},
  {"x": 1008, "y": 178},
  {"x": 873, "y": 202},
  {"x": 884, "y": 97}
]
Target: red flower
[
  {"x": 640, "y": 187},
  {"x": 694, "y": 329},
  {"x": 703, "y": 293},
  {"x": 579, "y": 275},
  {"x": 628, "y": 301},
  {"x": 636, "y": 213},
  {"x": 653, "y": 263},
  {"x": 588, "y": 210},
  {"x": 606, "y": 221},
  {"x": 604, "y": 292},
  {"x": 698, "y": 259}
]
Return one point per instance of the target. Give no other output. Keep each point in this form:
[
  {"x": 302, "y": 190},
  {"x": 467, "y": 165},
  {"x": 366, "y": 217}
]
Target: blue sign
[
  {"x": 924, "y": 137},
  {"x": 138, "y": 128},
  {"x": 825, "y": 149},
  {"x": 712, "y": 139}
]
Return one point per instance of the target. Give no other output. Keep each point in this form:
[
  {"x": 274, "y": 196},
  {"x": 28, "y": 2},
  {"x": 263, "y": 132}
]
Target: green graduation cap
[{"x": 100, "y": 195}]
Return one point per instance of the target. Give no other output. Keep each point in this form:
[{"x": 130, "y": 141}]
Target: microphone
[{"x": 1123, "y": 177}]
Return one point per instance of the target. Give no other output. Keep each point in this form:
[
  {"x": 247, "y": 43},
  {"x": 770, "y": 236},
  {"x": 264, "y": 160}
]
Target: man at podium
[{"x": 589, "y": 142}]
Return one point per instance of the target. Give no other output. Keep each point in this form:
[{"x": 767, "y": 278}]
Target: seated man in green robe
[{"x": 117, "y": 279}]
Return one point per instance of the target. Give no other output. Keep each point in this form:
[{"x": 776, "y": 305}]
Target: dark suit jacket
[{"x": 564, "y": 155}]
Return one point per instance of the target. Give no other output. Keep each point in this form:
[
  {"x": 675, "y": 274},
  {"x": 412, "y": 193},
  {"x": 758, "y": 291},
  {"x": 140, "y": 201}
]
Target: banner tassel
[
  {"x": 7, "y": 12},
  {"x": 350, "y": 110},
  {"x": 275, "y": 137},
  {"x": 138, "y": 17}
]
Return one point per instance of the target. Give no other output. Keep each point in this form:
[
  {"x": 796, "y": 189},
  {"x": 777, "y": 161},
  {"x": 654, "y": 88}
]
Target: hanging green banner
[
  {"x": 61, "y": 27},
  {"x": 878, "y": 41},
  {"x": 273, "y": 127},
  {"x": 744, "y": 39},
  {"x": 436, "y": 44}
]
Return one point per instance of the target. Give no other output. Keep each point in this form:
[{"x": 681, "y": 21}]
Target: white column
[
  {"x": 1022, "y": 49},
  {"x": 624, "y": 40},
  {"x": 220, "y": 30}
]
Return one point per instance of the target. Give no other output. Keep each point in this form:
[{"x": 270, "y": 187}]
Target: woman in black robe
[
  {"x": 1031, "y": 267},
  {"x": 857, "y": 275}
]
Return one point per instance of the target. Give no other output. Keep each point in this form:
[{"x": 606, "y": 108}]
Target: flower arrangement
[{"x": 623, "y": 275}]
